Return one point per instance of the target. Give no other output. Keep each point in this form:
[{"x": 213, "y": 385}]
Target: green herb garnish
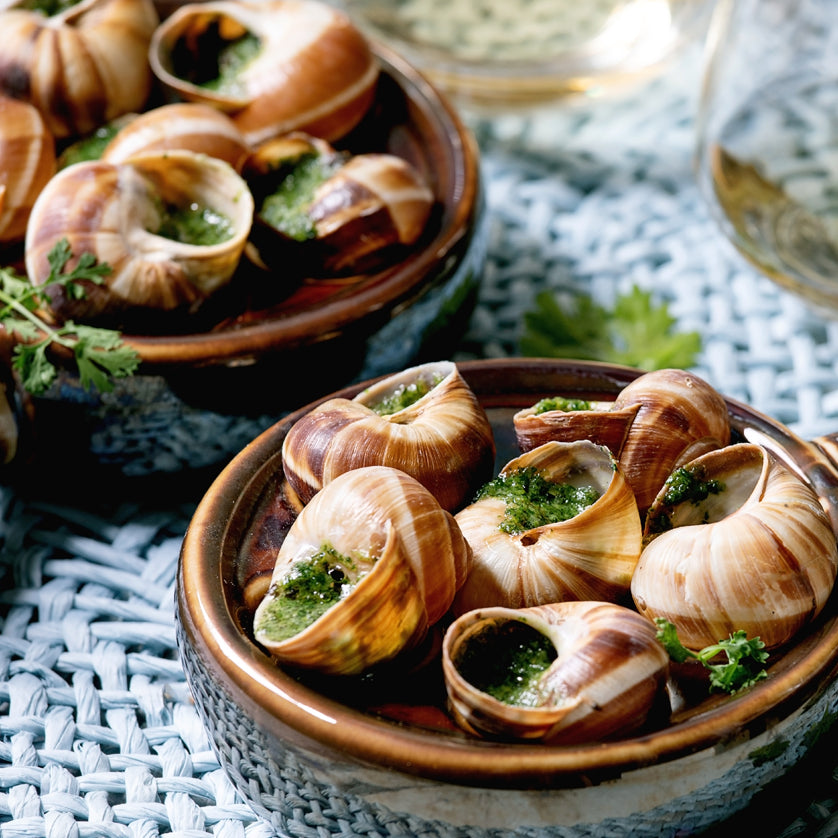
[
  {"x": 560, "y": 403},
  {"x": 310, "y": 589},
  {"x": 744, "y": 658},
  {"x": 636, "y": 333},
  {"x": 533, "y": 501},
  {"x": 100, "y": 354}
]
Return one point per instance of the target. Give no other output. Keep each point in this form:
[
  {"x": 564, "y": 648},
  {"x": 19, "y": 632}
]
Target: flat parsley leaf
[
  {"x": 100, "y": 354},
  {"x": 741, "y": 667},
  {"x": 636, "y": 332}
]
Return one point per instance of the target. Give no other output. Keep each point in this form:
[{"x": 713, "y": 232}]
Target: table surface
[{"x": 97, "y": 732}]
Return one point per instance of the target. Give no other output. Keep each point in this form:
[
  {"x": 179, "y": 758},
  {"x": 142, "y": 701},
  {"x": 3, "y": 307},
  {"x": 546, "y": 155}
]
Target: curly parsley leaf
[
  {"x": 743, "y": 663},
  {"x": 637, "y": 332},
  {"x": 100, "y": 354}
]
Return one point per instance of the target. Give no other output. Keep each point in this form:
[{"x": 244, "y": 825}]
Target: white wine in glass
[{"x": 768, "y": 139}]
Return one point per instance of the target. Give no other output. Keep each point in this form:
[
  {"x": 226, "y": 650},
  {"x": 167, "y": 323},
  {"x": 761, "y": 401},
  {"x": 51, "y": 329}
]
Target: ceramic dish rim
[{"x": 204, "y": 614}]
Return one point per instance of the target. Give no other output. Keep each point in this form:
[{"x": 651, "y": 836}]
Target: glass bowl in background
[{"x": 496, "y": 54}]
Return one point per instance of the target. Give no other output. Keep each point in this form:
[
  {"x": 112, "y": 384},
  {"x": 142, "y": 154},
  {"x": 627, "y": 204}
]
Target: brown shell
[
  {"x": 408, "y": 558},
  {"x": 110, "y": 210},
  {"x": 680, "y": 416},
  {"x": 315, "y": 71},
  {"x": 27, "y": 162},
  {"x": 180, "y": 125},
  {"x": 605, "y": 681},
  {"x": 82, "y": 67},
  {"x": 601, "y": 424},
  {"x": 758, "y": 554},
  {"x": 364, "y": 213},
  {"x": 589, "y": 556},
  {"x": 444, "y": 439}
]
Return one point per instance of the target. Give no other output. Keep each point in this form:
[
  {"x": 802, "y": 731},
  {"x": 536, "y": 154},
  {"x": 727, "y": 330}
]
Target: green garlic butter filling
[
  {"x": 506, "y": 661},
  {"x": 560, "y": 403},
  {"x": 285, "y": 209},
  {"x": 308, "y": 591},
  {"x": 404, "y": 396},
  {"x": 533, "y": 501},
  {"x": 195, "y": 224}
]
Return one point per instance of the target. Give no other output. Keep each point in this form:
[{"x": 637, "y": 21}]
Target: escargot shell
[
  {"x": 81, "y": 67},
  {"x": 591, "y": 555},
  {"x": 400, "y": 557},
  {"x": 680, "y": 417},
  {"x": 364, "y": 208},
  {"x": 748, "y": 547},
  {"x": 312, "y": 71},
  {"x": 114, "y": 212},
  {"x": 27, "y": 162},
  {"x": 185, "y": 125},
  {"x": 598, "y": 422},
  {"x": 443, "y": 438},
  {"x": 657, "y": 422},
  {"x": 606, "y": 677}
]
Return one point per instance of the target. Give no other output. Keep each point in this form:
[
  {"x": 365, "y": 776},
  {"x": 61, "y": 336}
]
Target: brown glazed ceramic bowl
[
  {"x": 200, "y": 396},
  {"x": 381, "y": 758}
]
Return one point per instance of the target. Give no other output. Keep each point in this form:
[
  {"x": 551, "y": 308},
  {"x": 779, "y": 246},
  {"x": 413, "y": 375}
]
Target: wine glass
[{"x": 767, "y": 151}]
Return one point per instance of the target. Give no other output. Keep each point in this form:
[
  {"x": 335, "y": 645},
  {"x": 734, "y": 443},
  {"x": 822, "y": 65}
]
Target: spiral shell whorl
[
  {"x": 83, "y": 67},
  {"x": 590, "y": 556},
  {"x": 605, "y": 680},
  {"x": 764, "y": 562},
  {"x": 680, "y": 417},
  {"x": 419, "y": 560},
  {"x": 444, "y": 439},
  {"x": 111, "y": 211},
  {"x": 315, "y": 72}
]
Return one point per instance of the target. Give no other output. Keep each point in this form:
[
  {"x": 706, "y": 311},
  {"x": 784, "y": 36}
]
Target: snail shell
[
  {"x": 82, "y": 66},
  {"x": 112, "y": 210},
  {"x": 758, "y": 554},
  {"x": 366, "y": 207},
  {"x": 600, "y": 423},
  {"x": 605, "y": 680},
  {"x": 184, "y": 125},
  {"x": 444, "y": 439},
  {"x": 27, "y": 162},
  {"x": 680, "y": 417},
  {"x": 407, "y": 559},
  {"x": 590, "y": 556},
  {"x": 314, "y": 71}
]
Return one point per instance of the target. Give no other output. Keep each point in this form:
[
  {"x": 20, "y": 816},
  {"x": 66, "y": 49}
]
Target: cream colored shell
[
  {"x": 81, "y": 67},
  {"x": 410, "y": 559},
  {"x": 315, "y": 71},
  {"x": 588, "y": 557},
  {"x": 111, "y": 210},
  {"x": 27, "y": 162},
  {"x": 758, "y": 556},
  {"x": 605, "y": 681},
  {"x": 444, "y": 439}
]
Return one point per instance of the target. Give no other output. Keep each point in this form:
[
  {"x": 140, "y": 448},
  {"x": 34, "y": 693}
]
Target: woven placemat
[{"x": 98, "y": 735}]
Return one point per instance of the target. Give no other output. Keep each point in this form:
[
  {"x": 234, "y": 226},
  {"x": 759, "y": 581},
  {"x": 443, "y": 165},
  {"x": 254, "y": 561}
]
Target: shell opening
[
  {"x": 215, "y": 55},
  {"x": 507, "y": 659},
  {"x": 306, "y": 592}
]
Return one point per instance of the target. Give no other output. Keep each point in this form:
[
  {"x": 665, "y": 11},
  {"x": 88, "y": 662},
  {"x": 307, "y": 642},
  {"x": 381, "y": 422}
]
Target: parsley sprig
[
  {"x": 637, "y": 332},
  {"x": 100, "y": 354},
  {"x": 743, "y": 664}
]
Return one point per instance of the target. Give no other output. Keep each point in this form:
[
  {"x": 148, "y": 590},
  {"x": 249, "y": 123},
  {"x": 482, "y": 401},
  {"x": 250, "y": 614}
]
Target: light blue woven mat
[{"x": 98, "y": 736}]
